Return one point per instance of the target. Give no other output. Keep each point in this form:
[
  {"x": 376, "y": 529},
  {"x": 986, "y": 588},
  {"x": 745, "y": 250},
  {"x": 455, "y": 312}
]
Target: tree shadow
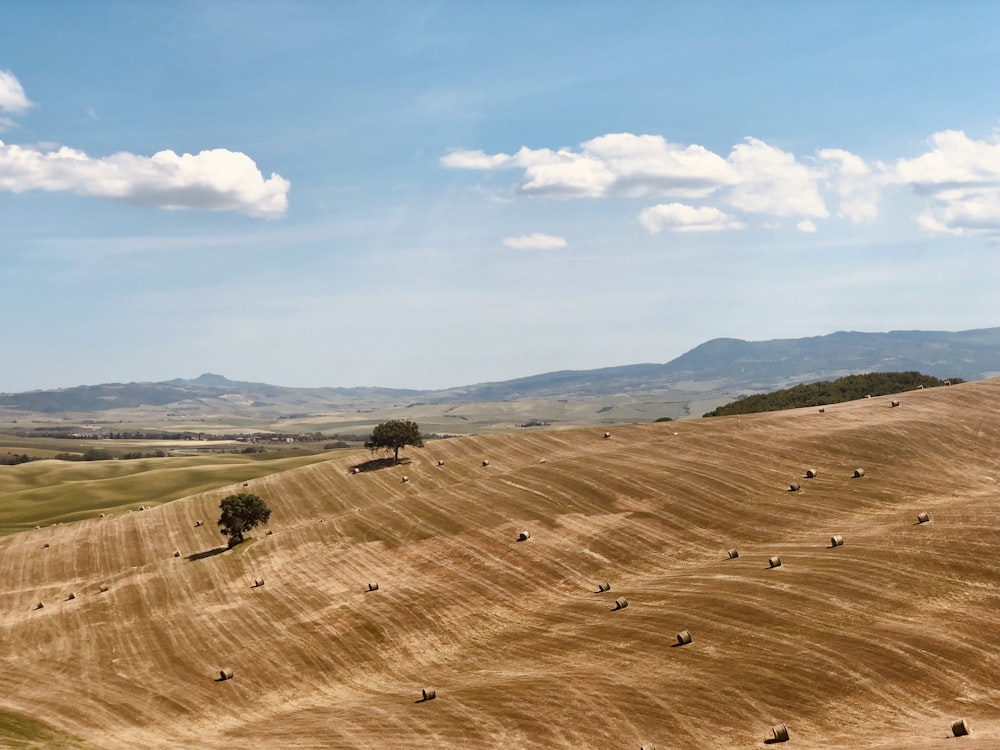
[
  {"x": 375, "y": 464},
  {"x": 207, "y": 553}
]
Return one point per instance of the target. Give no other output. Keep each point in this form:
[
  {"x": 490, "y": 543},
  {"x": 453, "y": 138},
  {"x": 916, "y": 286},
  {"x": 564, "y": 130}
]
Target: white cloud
[
  {"x": 535, "y": 241},
  {"x": 771, "y": 181},
  {"x": 960, "y": 178},
  {"x": 856, "y": 186},
  {"x": 806, "y": 226},
  {"x": 678, "y": 217},
  {"x": 214, "y": 180},
  {"x": 614, "y": 164},
  {"x": 12, "y": 96}
]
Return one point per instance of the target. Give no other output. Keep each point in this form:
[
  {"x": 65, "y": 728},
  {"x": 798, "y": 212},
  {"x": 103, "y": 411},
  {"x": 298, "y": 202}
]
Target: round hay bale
[
  {"x": 38, "y": 606},
  {"x": 683, "y": 637},
  {"x": 257, "y": 583},
  {"x": 947, "y": 382},
  {"x": 356, "y": 470},
  {"x": 607, "y": 435},
  {"x": 428, "y": 694},
  {"x": 647, "y": 747},
  {"x": 894, "y": 403},
  {"x": 603, "y": 586},
  {"x": 524, "y": 536},
  {"x": 837, "y": 541},
  {"x": 774, "y": 562},
  {"x": 268, "y": 532},
  {"x": 102, "y": 515},
  {"x": 920, "y": 387},
  {"x": 822, "y": 411},
  {"x": 373, "y": 586},
  {"x": 199, "y": 523},
  {"x": 440, "y": 463},
  {"x": 868, "y": 395},
  {"x": 859, "y": 473},
  {"x": 486, "y": 462},
  {"x": 732, "y": 553},
  {"x": 70, "y": 597},
  {"x": 620, "y": 603},
  {"x": 225, "y": 674},
  {"x": 142, "y": 507},
  {"x": 542, "y": 460},
  {"x": 794, "y": 487},
  {"x": 177, "y": 553},
  {"x": 246, "y": 484},
  {"x": 810, "y": 473},
  {"x": 960, "y": 727},
  {"x": 780, "y": 733},
  {"x": 103, "y": 587},
  {"x": 405, "y": 479},
  {"x": 45, "y": 546},
  {"x": 923, "y": 517}
]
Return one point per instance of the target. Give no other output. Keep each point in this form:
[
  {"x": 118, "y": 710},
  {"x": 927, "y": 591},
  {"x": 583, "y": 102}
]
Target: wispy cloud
[
  {"x": 12, "y": 96},
  {"x": 678, "y": 217},
  {"x": 535, "y": 241}
]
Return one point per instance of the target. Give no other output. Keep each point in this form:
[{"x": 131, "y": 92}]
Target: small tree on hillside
[
  {"x": 395, "y": 434},
  {"x": 240, "y": 513}
]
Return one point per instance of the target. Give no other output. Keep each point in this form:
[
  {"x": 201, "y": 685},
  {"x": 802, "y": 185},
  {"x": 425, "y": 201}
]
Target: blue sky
[{"x": 431, "y": 194}]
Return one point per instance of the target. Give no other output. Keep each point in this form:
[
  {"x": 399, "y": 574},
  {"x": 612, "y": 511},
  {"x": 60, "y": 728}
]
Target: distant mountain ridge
[{"x": 723, "y": 365}]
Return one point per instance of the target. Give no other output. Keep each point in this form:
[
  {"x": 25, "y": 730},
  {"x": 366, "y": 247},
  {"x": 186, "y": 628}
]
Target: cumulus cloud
[
  {"x": 755, "y": 178},
  {"x": 12, "y": 96},
  {"x": 214, "y": 180},
  {"x": 678, "y": 217},
  {"x": 856, "y": 185},
  {"x": 960, "y": 179},
  {"x": 614, "y": 164},
  {"x": 537, "y": 241},
  {"x": 772, "y": 181},
  {"x": 806, "y": 226}
]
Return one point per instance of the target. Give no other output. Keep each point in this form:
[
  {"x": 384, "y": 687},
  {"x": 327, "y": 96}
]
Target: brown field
[{"x": 879, "y": 643}]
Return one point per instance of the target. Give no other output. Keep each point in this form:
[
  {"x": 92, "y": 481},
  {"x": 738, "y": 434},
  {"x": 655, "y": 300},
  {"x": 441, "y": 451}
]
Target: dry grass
[{"x": 512, "y": 634}]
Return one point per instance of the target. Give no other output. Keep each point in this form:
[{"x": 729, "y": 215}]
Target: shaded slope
[{"x": 879, "y": 643}]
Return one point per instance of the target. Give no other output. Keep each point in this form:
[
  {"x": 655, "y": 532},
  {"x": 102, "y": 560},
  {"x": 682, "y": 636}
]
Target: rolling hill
[{"x": 879, "y": 643}]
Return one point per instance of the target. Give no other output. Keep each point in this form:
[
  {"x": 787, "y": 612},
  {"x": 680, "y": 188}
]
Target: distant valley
[{"x": 707, "y": 376}]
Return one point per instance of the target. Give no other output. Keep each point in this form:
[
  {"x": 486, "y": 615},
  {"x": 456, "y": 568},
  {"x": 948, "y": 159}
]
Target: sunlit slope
[{"x": 879, "y": 643}]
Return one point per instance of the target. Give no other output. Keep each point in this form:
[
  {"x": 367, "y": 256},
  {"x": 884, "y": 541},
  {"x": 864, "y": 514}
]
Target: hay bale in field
[
  {"x": 373, "y": 586},
  {"x": 225, "y": 674},
  {"x": 894, "y": 403},
  {"x": 732, "y": 553},
  {"x": 440, "y": 463},
  {"x": 177, "y": 553},
  {"x": 70, "y": 596},
  {"x": 780, "y": 733},
  {"x": 960, "y": 727},
  {"x": 524, "y": 536},
  {"x": 268, "y": 532},
  {"x": 257, "y": 583},
  {"x": 486, "y": 462},
  {"x": 38, "y": 606},
  {"x": 923, "y": 517},
  {"x": 620, "y": 603},
  {"x": 356, "y": 470},
  {"x": 428, "y": 694},
  {"x": 246, "y": 484},
  {"x": 837, "y": 541},
  {"x": 822, "y": 411},
  {"x": 542, "y": 461},
  {"x": 684, "y": 637},
  {"x": 647, "y": 747},
  {"x": 102, "y": 515},
  {"x": 199, "y": 523},
  {"x": 607, "y": 435},
  {"x": 774, "y": 562},
  {"x": 603, "y": 586},
  {"x": 142, "y": 507},
  {"x": 920, "y": 387},
  {"x": 404, "y": 479},
  {"x": 45, "y": 546},
  {"x": 103, "y": 587},
  {"x": 868, "y": 395},
  {"x": 794, "y": 487},
  {"x": 810, "y": 473},
  {"x": 858, "y": 473},
  {"x": 947, "y": 382}
]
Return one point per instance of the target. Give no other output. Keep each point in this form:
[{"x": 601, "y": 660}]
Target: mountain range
[{"x": 720, "y": 367}]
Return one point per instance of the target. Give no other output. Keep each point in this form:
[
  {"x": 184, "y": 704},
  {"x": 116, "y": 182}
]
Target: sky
[{"x": 432, "y": 194}]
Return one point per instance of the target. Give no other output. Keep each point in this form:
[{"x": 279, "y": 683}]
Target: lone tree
[
  {"x": 395, "y": 434},
  {"x": 240, "y": 513}
]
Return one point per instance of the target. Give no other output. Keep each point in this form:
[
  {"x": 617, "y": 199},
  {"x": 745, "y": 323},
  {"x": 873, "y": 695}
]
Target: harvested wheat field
[{"x": 881, "y": 642}]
